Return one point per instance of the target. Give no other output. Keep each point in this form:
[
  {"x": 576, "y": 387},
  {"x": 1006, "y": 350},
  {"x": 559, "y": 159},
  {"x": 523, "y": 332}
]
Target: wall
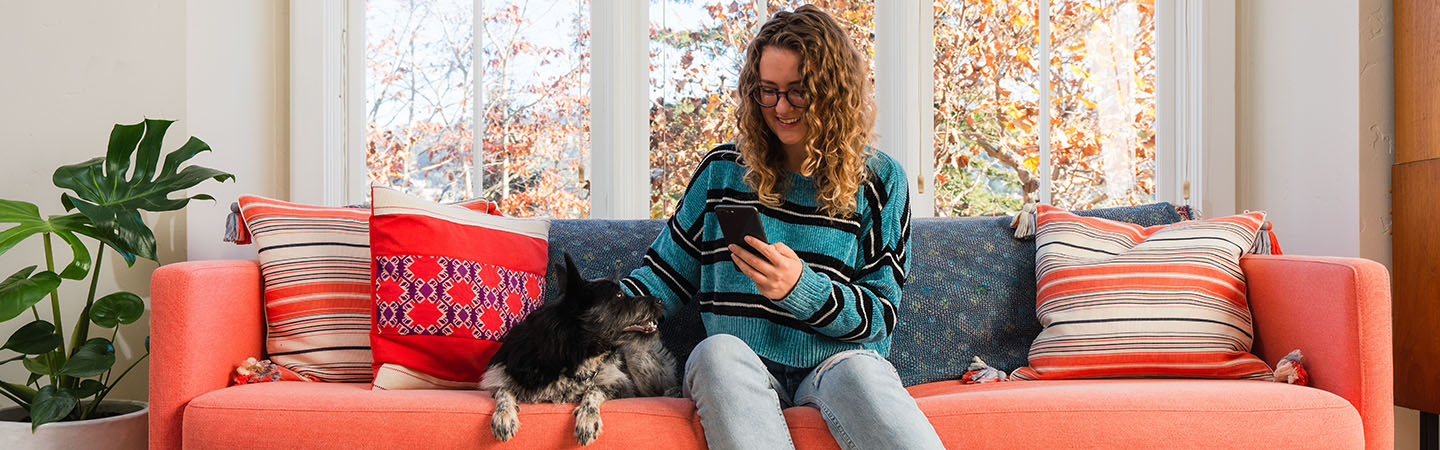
[
  {"x": 1315, "y": 127},
  {"x": 219, "y": 68},
  {"x": 71, "y": 74},
  {"x": 238, "y": 99}
]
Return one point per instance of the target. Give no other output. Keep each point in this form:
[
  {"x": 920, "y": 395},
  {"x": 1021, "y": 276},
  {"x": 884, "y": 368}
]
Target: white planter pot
[{"x": 125, "y": 431}]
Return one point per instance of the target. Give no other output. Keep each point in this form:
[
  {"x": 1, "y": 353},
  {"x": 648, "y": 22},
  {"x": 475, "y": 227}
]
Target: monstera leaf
[
  {"x": 27, "y": 220},
  {"x": 112, "y": 202},
  {"x": 20, "y": 291}
]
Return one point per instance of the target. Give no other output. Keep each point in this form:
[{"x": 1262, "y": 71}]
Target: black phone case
[{"x": 736, "y": 222}]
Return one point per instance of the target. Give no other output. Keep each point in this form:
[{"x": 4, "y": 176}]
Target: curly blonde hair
[{"x": 839, "y": 118}]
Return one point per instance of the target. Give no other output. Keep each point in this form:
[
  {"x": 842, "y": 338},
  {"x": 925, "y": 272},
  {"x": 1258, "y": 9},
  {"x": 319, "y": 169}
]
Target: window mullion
[
  {"x": 904, "y": 90},
  {"x": 357, "y": 181},
  {"x": 1043, "y": 196},
  {"x": 619, "y": 110},
  {"x": 1195, "y": 106},
  {"x": 322, "y": 120},
  {"x": 477, "y": 100}
]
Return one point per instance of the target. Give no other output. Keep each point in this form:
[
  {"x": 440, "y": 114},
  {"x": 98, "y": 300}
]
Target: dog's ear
[{"x": 573, "y": 280}]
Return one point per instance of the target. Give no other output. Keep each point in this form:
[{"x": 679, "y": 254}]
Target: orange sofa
[{"x": 207, "y": 317}]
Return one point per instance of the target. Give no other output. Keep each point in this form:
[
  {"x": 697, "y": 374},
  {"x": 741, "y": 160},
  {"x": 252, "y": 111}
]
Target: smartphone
[{"x": 740, "y": 221}]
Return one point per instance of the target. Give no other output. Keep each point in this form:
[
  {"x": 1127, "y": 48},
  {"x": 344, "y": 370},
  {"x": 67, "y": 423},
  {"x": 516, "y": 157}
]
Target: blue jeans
[{"x": 739, "y": 400}]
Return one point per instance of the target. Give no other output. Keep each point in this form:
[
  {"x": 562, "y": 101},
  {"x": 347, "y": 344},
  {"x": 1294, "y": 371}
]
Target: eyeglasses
[{"x": 768, "y": 97}]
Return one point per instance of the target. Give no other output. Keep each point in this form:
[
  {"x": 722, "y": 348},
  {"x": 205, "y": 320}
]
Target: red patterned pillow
[
  {"x": 448, "y": 284},
  {"x": 1117, "y": 300}
]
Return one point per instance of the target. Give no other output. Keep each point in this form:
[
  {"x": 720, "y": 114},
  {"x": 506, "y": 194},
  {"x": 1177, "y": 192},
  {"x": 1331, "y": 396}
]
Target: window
[
  {"x": 1101, "y": 104},
  {"x": 418, "y": 92},
  {"x": 1106, "y": 135},
  {"x": 533, "y": 103},
  {"x": 1102, "y": 88},
  {"x": 536, "y": 103}
]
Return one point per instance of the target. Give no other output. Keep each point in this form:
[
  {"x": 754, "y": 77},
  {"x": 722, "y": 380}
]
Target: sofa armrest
[
  {"x": 1337, "y": 312},
  {"x": 206, "y": 317}
]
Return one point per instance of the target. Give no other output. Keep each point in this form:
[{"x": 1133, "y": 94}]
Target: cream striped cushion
[
  {"x": 1118, "y": 300},
  {"x": 315, "y": 262}
]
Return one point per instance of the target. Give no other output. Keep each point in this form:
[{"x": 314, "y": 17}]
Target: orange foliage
[{"x": 536, "y": 138}]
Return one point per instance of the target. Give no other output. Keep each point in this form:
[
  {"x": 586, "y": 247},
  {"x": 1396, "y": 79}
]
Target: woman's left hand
[{"x": 774, "y": 278}]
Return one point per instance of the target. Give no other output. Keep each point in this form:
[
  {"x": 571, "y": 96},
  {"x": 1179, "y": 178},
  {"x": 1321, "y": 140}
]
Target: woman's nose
[{"x": 783, "y": 105}]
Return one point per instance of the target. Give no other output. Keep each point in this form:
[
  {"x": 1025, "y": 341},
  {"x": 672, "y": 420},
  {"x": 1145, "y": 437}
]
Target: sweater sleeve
[
  {"x": 863, "y": 310},
  {"x": 671, "y": 267}
]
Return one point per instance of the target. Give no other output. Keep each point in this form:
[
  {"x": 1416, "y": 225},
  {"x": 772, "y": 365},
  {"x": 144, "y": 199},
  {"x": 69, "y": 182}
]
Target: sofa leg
[{"x": 1429, "y": 431}]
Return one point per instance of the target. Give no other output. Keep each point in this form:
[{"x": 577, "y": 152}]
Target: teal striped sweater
[{"x": 848, "y": 294}]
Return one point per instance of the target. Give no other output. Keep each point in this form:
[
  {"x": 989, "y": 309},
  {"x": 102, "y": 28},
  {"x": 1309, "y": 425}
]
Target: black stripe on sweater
[
  {"x": 749, "y": 305},
  {"x": 673, "y": 280}
]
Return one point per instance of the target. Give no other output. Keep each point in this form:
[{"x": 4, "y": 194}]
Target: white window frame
[
  {"x": 327, "y": 103},
  {"x": 1195, "y": 104}
]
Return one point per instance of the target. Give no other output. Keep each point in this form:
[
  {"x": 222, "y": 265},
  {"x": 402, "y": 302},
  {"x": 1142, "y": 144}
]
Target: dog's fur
[{"x": 595, "y": 344}]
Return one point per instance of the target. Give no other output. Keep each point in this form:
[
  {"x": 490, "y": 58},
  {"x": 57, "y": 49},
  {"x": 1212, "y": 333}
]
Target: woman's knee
[
  {"x": 722, "y": 351},
  {"x": 855, "y": 368}
]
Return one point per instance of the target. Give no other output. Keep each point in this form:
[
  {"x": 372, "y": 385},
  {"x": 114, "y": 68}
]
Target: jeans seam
[
  {"x": 781, "y": 411},
  {"x": 835, "y": 422}
]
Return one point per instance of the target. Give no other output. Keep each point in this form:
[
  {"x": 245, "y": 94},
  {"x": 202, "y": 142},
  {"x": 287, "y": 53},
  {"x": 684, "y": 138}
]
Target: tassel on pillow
[
  {"x": 1024, "y": 222},
  {"x": 252, "y": 371},
  {"x": 981, "y": 373},
  {"x": 261, "y": 371},
  {"x": 1265, "y": 241},
  {"x": 235, "y": 230},
  {"x": 1291, "y": 370}
]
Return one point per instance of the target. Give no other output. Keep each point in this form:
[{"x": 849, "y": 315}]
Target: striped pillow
[
  {"x": 1119, "y": 300},
  {"x": 315, "y": 262},
  {"x": 448, "y": 284}
]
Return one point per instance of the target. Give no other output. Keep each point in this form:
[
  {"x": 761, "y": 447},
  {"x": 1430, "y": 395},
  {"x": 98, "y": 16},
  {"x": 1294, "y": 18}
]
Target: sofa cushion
[
  {"x": 1139, "y": 414},
  {"x": 1111, "y": 414},
  {"x": 333, "y": 415}
]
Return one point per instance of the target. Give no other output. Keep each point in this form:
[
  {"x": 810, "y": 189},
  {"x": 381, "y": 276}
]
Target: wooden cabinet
[
  {"x": 1416, "y": 198},
  {"x": 1415, "y": 189}
]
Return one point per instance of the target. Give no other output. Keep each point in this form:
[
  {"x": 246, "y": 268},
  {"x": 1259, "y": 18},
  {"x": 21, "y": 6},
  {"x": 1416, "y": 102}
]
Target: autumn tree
[
  {"x": 535, "y": 105},
  {"x": 987, "y": 113},
  {"x": 536, "y": 99},
  {"x": 418, "y": 96}
]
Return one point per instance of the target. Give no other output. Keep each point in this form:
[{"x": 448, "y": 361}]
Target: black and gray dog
[{"x": 595, "y": 344}]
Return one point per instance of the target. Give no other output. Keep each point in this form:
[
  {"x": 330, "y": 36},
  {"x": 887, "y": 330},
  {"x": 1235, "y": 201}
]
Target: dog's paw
[
  {"x": 504, "y": 424},
  {"x": 587, "y": 427}
]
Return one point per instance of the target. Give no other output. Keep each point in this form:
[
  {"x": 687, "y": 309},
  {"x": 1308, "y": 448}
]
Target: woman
[{"x": 808, "y": 320}]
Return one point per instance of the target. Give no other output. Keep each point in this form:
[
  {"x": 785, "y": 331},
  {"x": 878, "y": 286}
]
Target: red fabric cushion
[
  {"x": 350, "y": 415},
  {"x": 1118, "y": 300},
  {"x": 1099, "y": 414},
  {"x": 1137, "y": 414},
  {"x": 448, "y": 284}
]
